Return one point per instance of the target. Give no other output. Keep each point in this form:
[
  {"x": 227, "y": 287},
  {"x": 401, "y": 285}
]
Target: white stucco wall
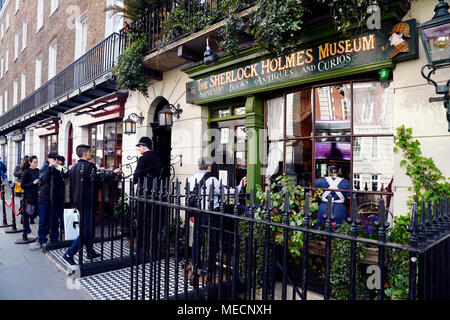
[
  {"x": 412, "y": 109},
  {"x": 186, "y": 132}
]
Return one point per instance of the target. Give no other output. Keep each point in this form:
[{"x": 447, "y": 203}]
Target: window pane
[
  {"x": 275, "y": 118},
  {"x": 372, "y": 108},
  {"x": 299, "y": 161},
  {"x": 299, "y": 113},
  {"x": 220, "y": 113},
  {"x": 373, "y": 163},
  {"x": 332, "y": 110},
  {"x": 333, "y": 152},
  {"x": 273, "y": 164},
  {"x": 110, "y": 131},
  {"x": 238, "y": 111}
]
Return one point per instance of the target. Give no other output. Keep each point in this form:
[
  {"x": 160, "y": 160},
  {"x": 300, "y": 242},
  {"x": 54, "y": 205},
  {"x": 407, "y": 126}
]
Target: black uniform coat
[
  {"x": 30, "y": 190},
  {"x": 148, "y": 164}
]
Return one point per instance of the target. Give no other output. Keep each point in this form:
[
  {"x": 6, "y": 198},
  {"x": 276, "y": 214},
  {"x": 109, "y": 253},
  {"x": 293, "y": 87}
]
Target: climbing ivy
[
  {"x": 428, "y": 181},
  {"x": 129, "y": 71}
]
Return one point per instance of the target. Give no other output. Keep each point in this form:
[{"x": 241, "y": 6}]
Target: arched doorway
[{"x": 161, "y": 137}]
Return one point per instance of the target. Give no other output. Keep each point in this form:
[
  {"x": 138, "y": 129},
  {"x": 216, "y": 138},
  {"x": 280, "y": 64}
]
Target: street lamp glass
[
  {"x": 130, "y": 126},
  {"x": 437, "y": 42},
  {"x": 165, "y": 117}
]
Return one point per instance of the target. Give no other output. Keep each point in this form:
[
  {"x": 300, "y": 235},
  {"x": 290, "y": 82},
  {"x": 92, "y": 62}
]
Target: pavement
[{"x": 31, "y": 275}]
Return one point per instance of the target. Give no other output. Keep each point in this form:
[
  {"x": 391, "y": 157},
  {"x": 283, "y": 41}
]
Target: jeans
[
  {"x": 87, "y": 231},
  {"x": 27, "y": 222},
  {"x": 44, "y": 222}
]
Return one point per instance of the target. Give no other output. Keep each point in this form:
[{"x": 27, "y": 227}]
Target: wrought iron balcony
[{"x": 57, "y": 95}]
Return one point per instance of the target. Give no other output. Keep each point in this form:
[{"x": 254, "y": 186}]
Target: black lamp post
[
  {"x": 435, "y": 35},
  {"x": 165, "y": 116},
  {"x": 130, "y": 124}
]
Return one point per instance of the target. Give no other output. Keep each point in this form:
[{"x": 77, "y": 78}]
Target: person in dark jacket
[
  {"x": 29, "y": 182},
  {"x": 81, "y": 198},
  {"x": 62, "y": 173},
  {"x": 2, "y": 171},
  {"x": 49, "y": 201},
  {"x": 149, "y": 163}
]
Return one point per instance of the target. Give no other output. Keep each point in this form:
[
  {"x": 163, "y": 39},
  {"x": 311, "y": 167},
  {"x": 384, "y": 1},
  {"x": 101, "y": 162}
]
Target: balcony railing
[
  {"x": 194, "y": 15},
  {"x": 92, "y": 65}
]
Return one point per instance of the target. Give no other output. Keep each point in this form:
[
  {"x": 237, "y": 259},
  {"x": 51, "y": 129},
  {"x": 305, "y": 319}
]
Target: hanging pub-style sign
[
  {"x": 18, "y": 136},
  {"x": 395, "y": 43}
]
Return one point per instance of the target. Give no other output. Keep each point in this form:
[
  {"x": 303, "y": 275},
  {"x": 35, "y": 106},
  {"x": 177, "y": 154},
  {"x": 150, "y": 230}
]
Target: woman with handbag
[{"x": 30, "y": 184}]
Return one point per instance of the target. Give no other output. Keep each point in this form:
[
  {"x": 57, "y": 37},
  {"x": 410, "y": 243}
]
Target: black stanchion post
[
  {"x": 5, "y": 221},
  {"x": 13, "y": 226}
]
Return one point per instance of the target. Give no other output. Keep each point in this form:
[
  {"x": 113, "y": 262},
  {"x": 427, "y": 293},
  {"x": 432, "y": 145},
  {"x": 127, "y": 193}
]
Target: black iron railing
[
  {"x": 92, "y": 65},
  {"x": 228, "y": 254},
  {"x": 191, "y": 16},
  {"x": 210, "y": 244}
]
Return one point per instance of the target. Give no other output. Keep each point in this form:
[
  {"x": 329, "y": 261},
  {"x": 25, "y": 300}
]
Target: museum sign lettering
[{"x": 397, "y": 42}]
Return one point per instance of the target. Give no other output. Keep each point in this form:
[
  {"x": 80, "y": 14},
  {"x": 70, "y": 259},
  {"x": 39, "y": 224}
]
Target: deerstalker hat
[{"x": 401, "y": 27}]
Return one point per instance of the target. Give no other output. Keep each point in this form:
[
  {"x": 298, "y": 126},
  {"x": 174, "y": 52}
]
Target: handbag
[
  {"x": 30, "y": 209},
  {"x": 18, "y": 188},
  {"x": 71, "y": 221}
]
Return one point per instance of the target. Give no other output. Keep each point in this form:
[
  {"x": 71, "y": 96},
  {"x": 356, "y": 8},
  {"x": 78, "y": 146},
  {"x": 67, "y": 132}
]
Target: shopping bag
[{"x": 71, "y": 224}]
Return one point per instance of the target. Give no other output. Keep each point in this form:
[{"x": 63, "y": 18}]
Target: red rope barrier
[{"x": 11, "y": 204}]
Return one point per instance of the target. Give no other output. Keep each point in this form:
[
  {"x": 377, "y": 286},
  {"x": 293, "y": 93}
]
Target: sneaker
[
  {"x": 35, "y": 246},
  {"x": 31, "y": 236},
  {"x": 94, "y": 255},
  {"x": 68, "y": 259}
]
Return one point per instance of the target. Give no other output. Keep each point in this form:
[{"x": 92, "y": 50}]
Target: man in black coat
[
  {"x": 48, "y": 200},
  {"x": 83, "y": 200},
  {"x": 149, "y": 165}
]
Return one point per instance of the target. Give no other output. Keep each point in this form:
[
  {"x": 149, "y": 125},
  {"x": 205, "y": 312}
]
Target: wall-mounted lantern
[{"x": 130, "y": 124}]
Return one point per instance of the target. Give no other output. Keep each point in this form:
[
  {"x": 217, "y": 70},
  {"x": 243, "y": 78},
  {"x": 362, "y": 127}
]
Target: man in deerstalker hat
[{"x": 398, "y": 35}]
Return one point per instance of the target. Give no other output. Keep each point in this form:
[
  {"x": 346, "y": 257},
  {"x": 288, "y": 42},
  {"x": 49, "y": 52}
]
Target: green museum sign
[{"x": 390, "y": 44}]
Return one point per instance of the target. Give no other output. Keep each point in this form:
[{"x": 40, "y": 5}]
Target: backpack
[{"x": 192, "y": 201}]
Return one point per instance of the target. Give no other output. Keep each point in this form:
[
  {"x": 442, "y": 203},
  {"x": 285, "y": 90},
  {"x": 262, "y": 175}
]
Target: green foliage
[
  {"x": 398, "y": 261},
  {"x": 129, "y": 70},
  {"x": 428, "y": 181},
  {"x": 278, "y": 190},
  {"x": 340, "y": 267},
  {"x": 132, "y": 9},
  {"x": 348, "y": 13},
  {"x": 277, "y": 25}
]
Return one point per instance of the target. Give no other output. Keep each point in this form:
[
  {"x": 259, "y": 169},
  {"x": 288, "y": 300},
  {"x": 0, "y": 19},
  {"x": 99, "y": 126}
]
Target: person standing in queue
[
  {"x": 29, "y": 181},
  {"x": 82, "y": 200},
  {"x": 148, "y": 165},
  {"x": 48, "y": 220}
]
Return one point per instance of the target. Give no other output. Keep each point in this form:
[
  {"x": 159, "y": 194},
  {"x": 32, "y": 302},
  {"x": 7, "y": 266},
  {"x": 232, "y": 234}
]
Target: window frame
[
  {"x": 104, "y": 148},
  {"x": 314, "y": 137}
]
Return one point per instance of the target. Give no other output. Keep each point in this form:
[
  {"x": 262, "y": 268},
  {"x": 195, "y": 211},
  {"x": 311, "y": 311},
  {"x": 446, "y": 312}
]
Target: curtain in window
[{"x": 275, "y": 121}]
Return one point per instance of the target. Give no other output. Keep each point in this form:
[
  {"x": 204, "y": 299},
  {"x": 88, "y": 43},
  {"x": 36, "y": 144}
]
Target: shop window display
[
  {"x": 106, "y": 142},
  {"x": 335, "y": 137}
]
